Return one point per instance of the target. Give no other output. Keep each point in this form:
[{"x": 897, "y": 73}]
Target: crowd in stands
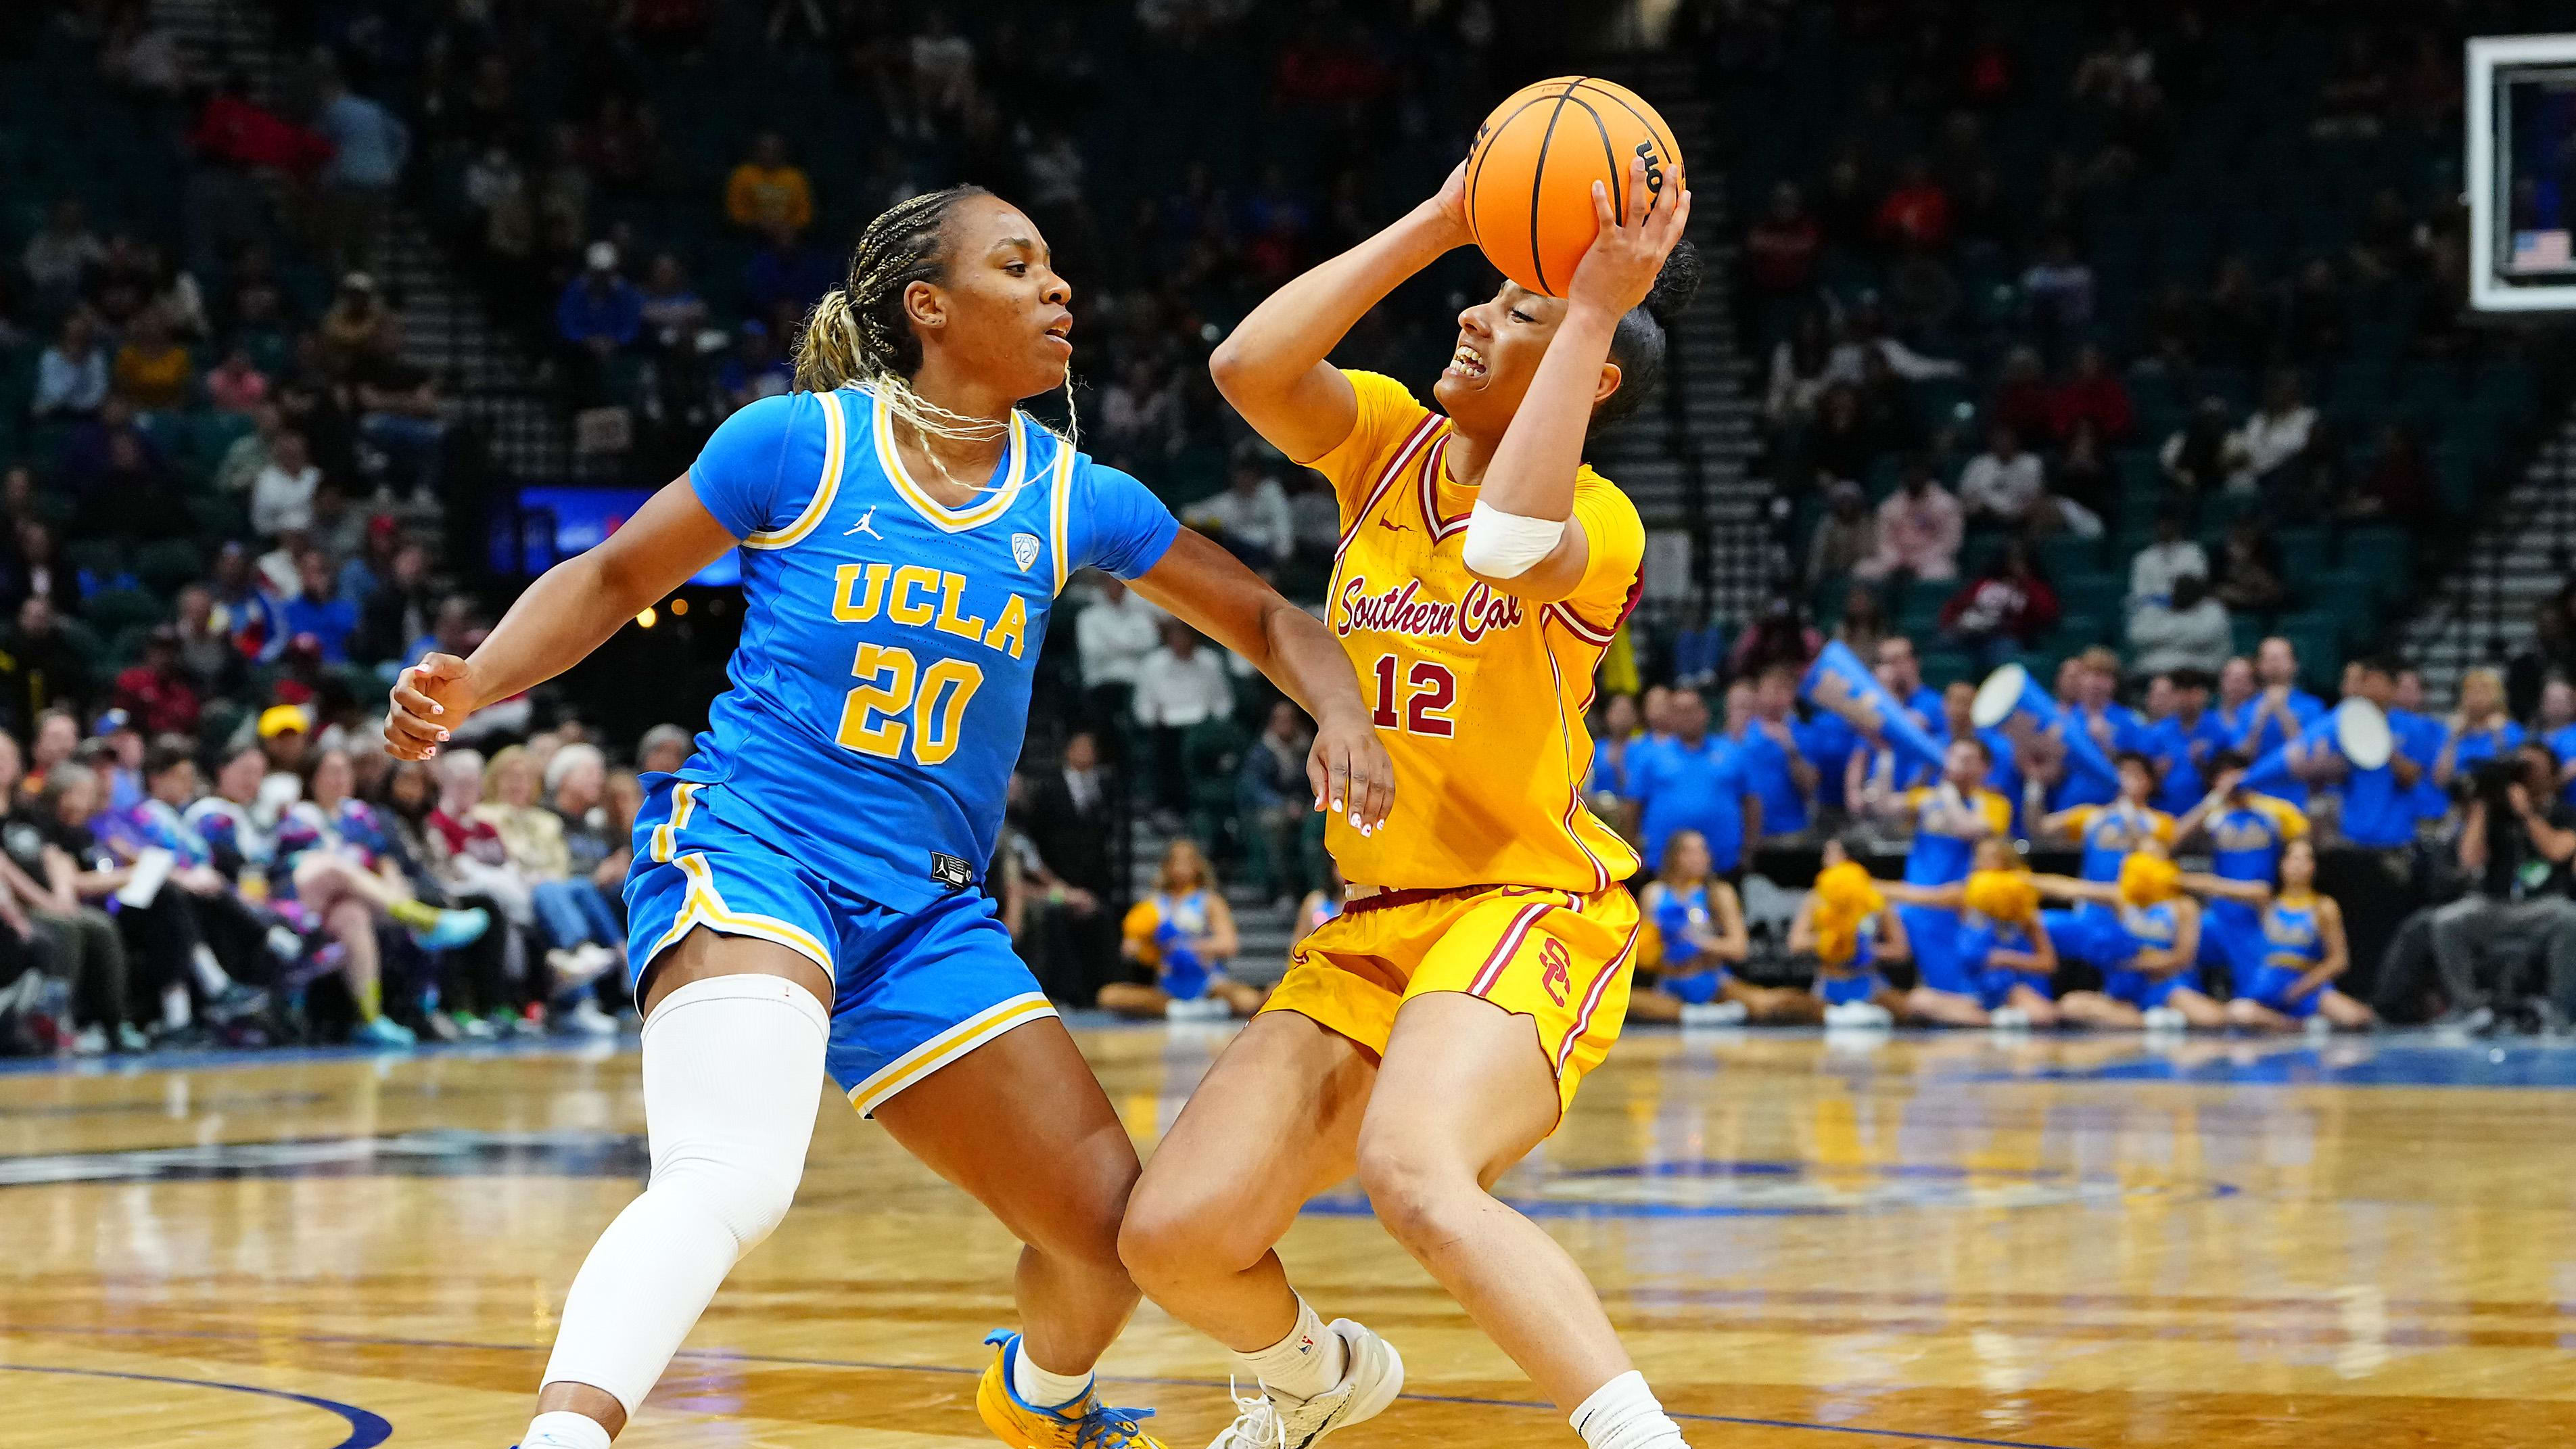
[
  {"x": 2095, "y": 324},
  {"x": 655, "y": 195}
]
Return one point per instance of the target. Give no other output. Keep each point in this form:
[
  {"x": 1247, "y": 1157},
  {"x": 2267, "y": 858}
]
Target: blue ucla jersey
[
  {"x": 2245, "y": 840},
  {"x": 2110, "y": 832},
  {"x": 880, "y": 691},
  {"x": 2292, "y": 940},
  {"x": 2149, "y": 928},
  {"x": 1937, "y": 856}
]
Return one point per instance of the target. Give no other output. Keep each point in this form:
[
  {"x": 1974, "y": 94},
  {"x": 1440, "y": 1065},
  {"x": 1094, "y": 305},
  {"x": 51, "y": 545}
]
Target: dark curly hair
[{"x": 1637, "y": 346}]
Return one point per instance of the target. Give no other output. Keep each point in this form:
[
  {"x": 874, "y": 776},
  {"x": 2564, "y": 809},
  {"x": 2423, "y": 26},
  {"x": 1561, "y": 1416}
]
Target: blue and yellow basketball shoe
[{"x": 1085, "y": 1423}]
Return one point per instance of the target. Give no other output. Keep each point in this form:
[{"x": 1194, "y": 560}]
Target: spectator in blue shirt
[
  {"x": 786, "y": 273},
  {"x": 1776, "y": 768},
  {"x": 2409, "y": 717},
  {"x": 318, "y": 610},
  {"x": 2114, "y": 727},
  {"x": 600, "y": 310},
  {"x": 2182, "y": 734},
  {"x": 1611, "y": 744},
  {"x": 369, "y": 146},
  {"x": 2278, "y": 714},
  {"x": 1694, "y": 781},
  {"x": 2480, "y": 731},
  {"x": 2003, "y": 776},
  {"x": 1902, "y": 673},
  {"x": 2557, "y": 729},
  {"x": 2379, "y": 805}
]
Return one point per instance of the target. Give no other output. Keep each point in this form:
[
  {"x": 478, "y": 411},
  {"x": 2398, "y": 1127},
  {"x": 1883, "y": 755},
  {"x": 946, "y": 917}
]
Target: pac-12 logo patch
[{"x": 1024, "y": 550}]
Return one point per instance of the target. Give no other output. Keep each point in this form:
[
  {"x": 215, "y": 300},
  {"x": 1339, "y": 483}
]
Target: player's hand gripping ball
[{"x": 1528, "y": 181}]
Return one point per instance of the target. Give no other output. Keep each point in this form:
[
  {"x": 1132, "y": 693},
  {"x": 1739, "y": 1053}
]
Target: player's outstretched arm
[
  {"x": 1272, "y": 367},
  {"x": 1211, "y": 591},
  {"x": 563, "y": 616},
  {"x": 1531, "y": 476}
]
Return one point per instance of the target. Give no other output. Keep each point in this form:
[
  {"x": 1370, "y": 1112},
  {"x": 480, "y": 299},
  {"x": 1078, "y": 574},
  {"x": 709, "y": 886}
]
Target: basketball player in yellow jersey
[{"x": 1433, "y": 1033}]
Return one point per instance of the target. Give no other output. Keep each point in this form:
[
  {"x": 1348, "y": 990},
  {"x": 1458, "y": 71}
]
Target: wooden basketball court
[{"x": 1951, "y": 1240}]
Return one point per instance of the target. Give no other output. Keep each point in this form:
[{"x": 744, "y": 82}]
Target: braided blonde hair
[{"x": 860, "y": 336}]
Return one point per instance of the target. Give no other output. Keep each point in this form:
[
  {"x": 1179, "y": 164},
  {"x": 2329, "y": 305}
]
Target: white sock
[
  {"x": 1311, "y": 1359},
  {"x": 210, "y": 973},
  {"x": 730, "y": 1069},
  {"x": 1623, "y": 1414},
  {"x": 175, "y": 1010},
  {"x": 560, "y": 1430},
  {"x": 1042, "y": 1390}
]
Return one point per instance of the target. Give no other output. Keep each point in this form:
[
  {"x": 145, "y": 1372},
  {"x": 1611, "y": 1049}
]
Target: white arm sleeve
[{"x": 1505, "y": 545}]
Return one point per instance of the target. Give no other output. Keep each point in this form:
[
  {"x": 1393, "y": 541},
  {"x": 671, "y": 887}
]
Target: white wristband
[{"x": 1505, "y": 545}]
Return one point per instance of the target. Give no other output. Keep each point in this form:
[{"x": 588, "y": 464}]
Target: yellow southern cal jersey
[{"x": 1478, "y": 695}]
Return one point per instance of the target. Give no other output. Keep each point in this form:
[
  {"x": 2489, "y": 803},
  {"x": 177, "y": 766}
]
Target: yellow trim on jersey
[
  {"x": 836, "y": 435},
  {"x": 947, "y": 1047},
  {"x": 973, "y": 515},
  {"x": 703, "y": 905},
  {"x": 666, "y": 836},
  {"x": 1060, "y": 510}
]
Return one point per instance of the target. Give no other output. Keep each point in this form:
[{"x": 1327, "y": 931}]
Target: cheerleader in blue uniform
[
  {"x": 1697, "y": 924},
  {"x": 2297, "y": 943}
]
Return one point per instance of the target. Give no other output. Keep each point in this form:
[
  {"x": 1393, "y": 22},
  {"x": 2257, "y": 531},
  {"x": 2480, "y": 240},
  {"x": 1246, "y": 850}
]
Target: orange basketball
[{"x": 1530, "y": 175}]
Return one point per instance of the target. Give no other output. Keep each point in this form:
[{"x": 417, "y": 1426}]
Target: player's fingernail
[
  {"x": 1337, "y": 805},
  {"x": 438, "y": 709},
  {"x": 442, "y": 737}
]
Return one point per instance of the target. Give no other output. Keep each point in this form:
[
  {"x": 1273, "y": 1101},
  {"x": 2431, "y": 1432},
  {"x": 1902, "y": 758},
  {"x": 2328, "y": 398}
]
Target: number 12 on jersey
[{"x": 1429, "y": 691}]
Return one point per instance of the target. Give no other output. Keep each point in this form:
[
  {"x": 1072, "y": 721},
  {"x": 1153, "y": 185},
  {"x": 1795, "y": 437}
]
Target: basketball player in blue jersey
[
  {"x": 2297, "y": 943},
  {"x": 1949, "y": 819},
  {"x": 803, "y": 899},
  {"x": 2246, "y": 834}
]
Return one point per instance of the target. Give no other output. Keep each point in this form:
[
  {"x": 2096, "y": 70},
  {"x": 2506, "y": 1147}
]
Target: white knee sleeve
[
  {"x": 730, "y": 1071},
  {"x": 730, "y": 1066}
]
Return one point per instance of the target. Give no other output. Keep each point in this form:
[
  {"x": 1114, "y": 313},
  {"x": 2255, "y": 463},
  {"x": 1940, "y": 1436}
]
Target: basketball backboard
[{"x": 2521, "y": 173}]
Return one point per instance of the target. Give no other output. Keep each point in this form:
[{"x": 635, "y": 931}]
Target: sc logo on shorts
[{"x": 1557, "y": 974}]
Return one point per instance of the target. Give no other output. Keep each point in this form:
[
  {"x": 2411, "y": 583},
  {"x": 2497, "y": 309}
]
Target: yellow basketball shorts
[{"x": 1561, "y": 958}]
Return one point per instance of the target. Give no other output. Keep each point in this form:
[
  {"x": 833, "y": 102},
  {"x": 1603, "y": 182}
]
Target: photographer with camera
[{"x": 2515, "y": 844}]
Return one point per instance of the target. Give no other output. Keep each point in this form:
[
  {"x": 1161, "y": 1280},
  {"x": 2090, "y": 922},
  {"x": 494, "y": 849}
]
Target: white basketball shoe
[{"x": 1372, "y": 1375}]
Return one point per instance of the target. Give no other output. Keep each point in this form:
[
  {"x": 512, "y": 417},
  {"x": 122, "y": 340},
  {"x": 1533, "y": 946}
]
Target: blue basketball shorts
[
  {"x": 2270, "y": 986},
  {"x": 1695, "y": 988},
  {"x": 1843, "y": 990},
  {"x": 912, "y": 991},
  {"x": 1933, "y": 933},
  {"x": 2139, "y": 989}
]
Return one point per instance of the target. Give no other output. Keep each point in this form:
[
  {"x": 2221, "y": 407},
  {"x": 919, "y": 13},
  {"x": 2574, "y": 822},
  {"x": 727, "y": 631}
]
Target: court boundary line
[
  {"x": 366, "y": 1427},
  {"x": 725, "y": 1355}
]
